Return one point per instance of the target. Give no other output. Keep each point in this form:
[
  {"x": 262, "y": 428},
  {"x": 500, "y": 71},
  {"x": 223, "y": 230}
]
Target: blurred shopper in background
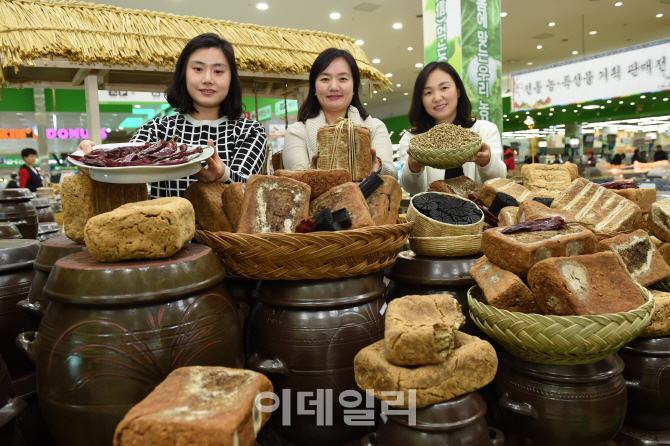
[
  {"x": 29, "y": 177},
  {"x": 12, "y": 183},
  {"x": 660, "y": 155},
  {"x": 508, "y": 158},
  {"x": 590, "y": 159}
]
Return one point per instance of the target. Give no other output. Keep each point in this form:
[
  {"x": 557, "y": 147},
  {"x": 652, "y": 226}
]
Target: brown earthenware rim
[
  {"x": 320, "y": 293},
  {"x": 9, "y": 230},
  {"x": 54, "y": 249},
  {"x": 41, "y": 203},
  {"x": 15, "y": 194},
  {"x": 449, "y": 415},
  {"x": 17, "y": 253},
  {"x": 80, "y": 279},
  {"x": 602, "y": 370},
  {"x": 412, "y": 268},
  {"x": 48, "y": 227},
  {"x": 658, "y": 346}
]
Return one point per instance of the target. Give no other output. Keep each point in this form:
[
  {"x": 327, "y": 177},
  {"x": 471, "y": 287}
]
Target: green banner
[{"x": 466, "y": 33}]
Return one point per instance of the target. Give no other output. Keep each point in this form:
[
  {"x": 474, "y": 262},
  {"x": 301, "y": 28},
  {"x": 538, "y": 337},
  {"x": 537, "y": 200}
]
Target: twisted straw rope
[{"x": 90, "y": 33}]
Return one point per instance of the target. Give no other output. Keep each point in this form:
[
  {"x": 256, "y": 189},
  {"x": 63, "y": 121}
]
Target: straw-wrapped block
[
  {"x": 503, "y": 289},
  {"x": 659, "y": 219},
  {"x": 584, "y": 285},
  {"x": 198, "y": 406},
  {"x": 644, "y": 198},
  {"x": 328, "y": 148},
  {"x": 546, "y": 180},
  {"x": 83, "y": 198},
  {"x": 206, "y": 201},
  {"x": 384, "y": 203},
  {"x": 508, "y": 216},
  {"x": 347, "y": 196},
  {"x": 273, "y": 204},
  {"x": 493, "y": 186},
  {"x": 639, "y": 255},
  {"x": 319, "y": 181},
  {"x": 462, "y": 186},
  {"x": 660, "y": 319},
  {"x": 519, "y": 251},
  {"x": 532, "y": 210},
  {"x": 420, "y": 329},
  {"x": 471, "y": 366},
  {"x": 231, "y": 201},
  {"x": 601, "y": 207},
  {"x": 153, "y": 229}
]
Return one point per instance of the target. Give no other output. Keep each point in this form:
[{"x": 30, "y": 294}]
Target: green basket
[
  {"x": 445, "y": 158},
  {"x": 560, "y": 340}
]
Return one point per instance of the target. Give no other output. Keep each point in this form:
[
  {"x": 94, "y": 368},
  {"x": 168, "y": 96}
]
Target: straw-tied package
[{"x": 344, "y": 145}]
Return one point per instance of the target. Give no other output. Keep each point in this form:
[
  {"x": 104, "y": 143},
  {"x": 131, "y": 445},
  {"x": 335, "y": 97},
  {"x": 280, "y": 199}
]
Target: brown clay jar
[
  {"x": 9, "y": 231},
  {"x": 647, "y": 375},
  {"x": 560, "y": 405},
  {"x": 10, "y": 407},
  {"x": 16, "y": 276},
  {"x": 113, "y": 331},
  {"x": 16, "y": 207},
  {"x": 415, "y": 274},
  {"x": 304, "y": 336},
  {"x": 630, "y": 436},
  {"x": 45, "y": 213},
  {"x": 459, "y": 421},
  {"x": 50, "y": 251}
]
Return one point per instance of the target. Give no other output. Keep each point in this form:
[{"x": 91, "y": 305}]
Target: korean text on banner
[{"x": 633, "y": 70}]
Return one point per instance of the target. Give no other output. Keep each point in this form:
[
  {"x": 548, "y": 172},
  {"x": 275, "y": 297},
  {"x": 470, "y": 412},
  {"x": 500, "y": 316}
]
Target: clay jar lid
[
  {"x": 80, "y": 279},
  {"x": 9, "y": 231},
  {"x": 48, "y": 227},
  {"x": 602, "y": 370},
  {"x": 15, "y": 195},
  {"x": 320, "y": 293},
  {"x": 54, "y": 249},
  {"x": 659, "y": 346},
  {"x": 422, "y": 270},
  {"x": 41, "y": 203},
  {"x": 17, "y": 254},
  {"x": 449, "y": 415}
]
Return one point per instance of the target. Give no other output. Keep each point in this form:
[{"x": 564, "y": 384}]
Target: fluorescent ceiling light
[
  {"x": 397, "y": 85},
  {"x": 262, "y": 6},
  {"x": 551, "y": 24},
  {"x": 591, "y": 107},
  {"x": 503, "y": 14},
  {"x": 419, "y": 65},
  {"x": 359, "y": 42},
  {"x": 384, "y": 98},
  {"x": 397, "y": 25},
  {"x": 618, "y": 4},
  {"x": 376, "y": 60},
  {"x": 334, "y": 16},
  {"x": 409, "y": 48},
  {"x": 539, "y": 47},
  {"x": 659, "y": 15},
  {"x": 389, "y": 74},
  {"x": 575, "y": 52}
]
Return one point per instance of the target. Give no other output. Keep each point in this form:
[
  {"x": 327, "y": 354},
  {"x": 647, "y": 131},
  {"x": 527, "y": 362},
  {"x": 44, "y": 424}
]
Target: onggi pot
[
  {"x": 45, "y": 213},
  {"x": 16, "y": 275},
  {"x": 113, "y": 331},
  {"x": 415, "y": 274},
  {"x": 10, "y": 407},
  {"x": 647, "y": 374},
  {"x": 560, "y": 405},
  {"x": 304, "y": 336},
  {"x": 50, "y": 251},
  {"x": 16, "y": 207},
  {"x": 458, "y": 422}
]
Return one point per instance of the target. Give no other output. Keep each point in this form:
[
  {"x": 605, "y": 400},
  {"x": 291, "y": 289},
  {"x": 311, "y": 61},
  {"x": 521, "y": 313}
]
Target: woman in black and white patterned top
[{"x": 207, "y": 93}]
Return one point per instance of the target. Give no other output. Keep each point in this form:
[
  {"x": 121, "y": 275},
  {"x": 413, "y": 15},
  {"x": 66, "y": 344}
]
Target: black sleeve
[{"x": 250, "y": 150}]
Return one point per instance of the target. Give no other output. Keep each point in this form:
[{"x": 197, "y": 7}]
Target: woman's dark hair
[
  {"x": 177, "y": 94},
  {"x": 418, "y": 116},
  {"x": 27, "y": 152},
  {"x": 311, "y": 107}
]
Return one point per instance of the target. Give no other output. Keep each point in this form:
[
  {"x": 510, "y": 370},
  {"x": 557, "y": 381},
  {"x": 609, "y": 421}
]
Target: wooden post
[
  {"x": 41, "y": 122},
  {"x": 92, "y": 108}
]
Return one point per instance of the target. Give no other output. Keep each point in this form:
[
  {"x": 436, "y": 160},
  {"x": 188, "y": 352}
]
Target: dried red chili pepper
[
  {"x": 306, "y": 225},
  {"x": 541, "y": 224},
  {"x": 161, "y": 153},
  {"x": 618, "y": 185},
  {"x": 489, "y": 218}
]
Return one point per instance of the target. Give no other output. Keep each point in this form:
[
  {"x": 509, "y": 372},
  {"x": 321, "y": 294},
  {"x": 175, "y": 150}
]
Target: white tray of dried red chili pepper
[{"x": 141, "y": 162}]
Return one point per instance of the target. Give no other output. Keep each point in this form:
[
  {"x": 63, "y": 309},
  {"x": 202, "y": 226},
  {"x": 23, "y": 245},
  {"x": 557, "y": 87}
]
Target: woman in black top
[
  {"x": 29, "y": 178},
  {"x": 207, "y": 93}
]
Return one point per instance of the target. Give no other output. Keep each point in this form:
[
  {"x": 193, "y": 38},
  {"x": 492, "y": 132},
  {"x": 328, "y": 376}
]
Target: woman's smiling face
[
  {"x": 335, "y": 87},
  {"x": 207, "y": 79},
  {"x": 440, "y": 97}
]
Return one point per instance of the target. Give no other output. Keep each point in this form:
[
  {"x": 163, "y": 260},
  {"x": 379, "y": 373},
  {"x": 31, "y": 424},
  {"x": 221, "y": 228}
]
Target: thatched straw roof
[{"x": 87, "y": 33}]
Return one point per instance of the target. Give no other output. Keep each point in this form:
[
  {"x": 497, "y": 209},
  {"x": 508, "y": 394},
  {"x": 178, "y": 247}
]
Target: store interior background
[{"x": 534, "y": 33}]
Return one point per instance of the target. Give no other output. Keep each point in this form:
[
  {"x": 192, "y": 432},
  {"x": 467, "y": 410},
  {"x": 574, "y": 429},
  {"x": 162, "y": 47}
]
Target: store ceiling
[{"x": 524, "y": 28}]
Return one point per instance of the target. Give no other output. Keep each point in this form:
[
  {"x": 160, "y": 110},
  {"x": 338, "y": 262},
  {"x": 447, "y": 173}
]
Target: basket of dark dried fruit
[
  {"x": 438, "y": 214},
  {"x": 445, "y": 146}
]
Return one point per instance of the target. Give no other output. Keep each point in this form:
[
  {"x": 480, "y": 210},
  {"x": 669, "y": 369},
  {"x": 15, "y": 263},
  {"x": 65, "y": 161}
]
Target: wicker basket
[
  {"x": 317, "y": 255},
  {"x": 460, "y": 245},
  {"x": 561, "y": 340},
  {"x": 445, "y": 158},
  {"x": 427, "y": 227}
]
